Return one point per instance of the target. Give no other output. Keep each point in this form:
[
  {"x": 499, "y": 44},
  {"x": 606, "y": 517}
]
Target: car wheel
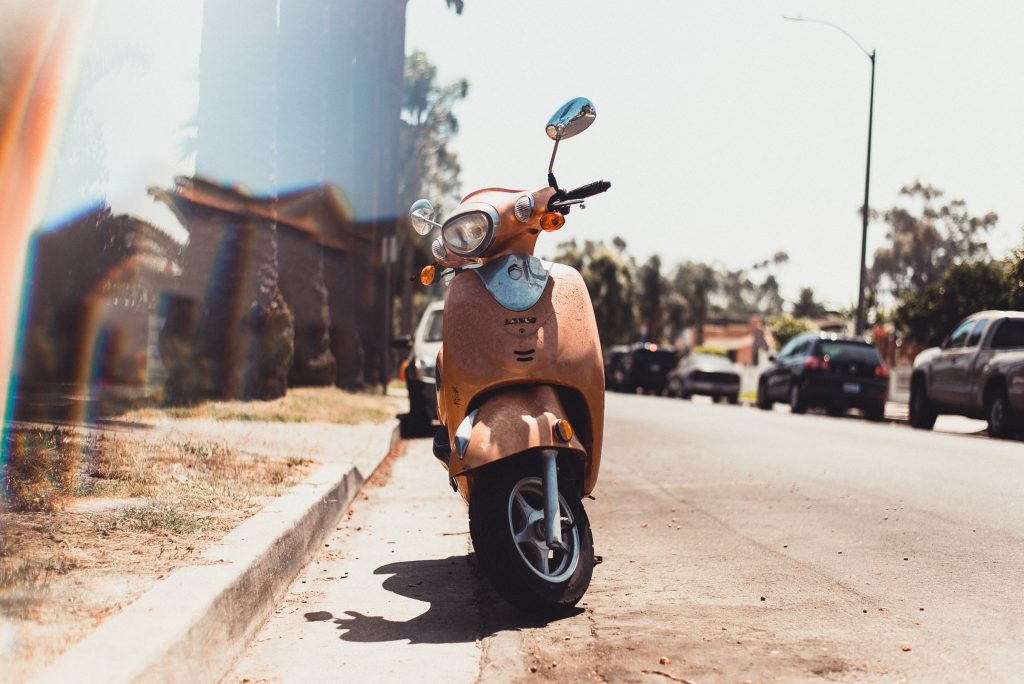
[
  {"x": 1002, "y": 423},
  {"x": 763, "y": 402},
  {"x": 922, "y": 413},
  {"x": 734, "y": 398},
  {"x": 835, "y": 411},
  {"x": 797, "y": 404},
  {"x": 717, "y": 398}
]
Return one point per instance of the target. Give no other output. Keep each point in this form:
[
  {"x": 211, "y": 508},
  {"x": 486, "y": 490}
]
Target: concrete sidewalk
[{"x": 192, "y": 625}]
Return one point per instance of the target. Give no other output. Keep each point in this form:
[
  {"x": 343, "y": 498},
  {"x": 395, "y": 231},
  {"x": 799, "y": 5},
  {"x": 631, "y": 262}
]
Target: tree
[
  {"x": 695, "y": 283},
  {"x": 924, "y": 244},
  {"x": 1015, "y": 279},
  {"x": 926, "y": 316},
  {"x": 806, "y": 306},
  {"x": 429, "y": 168},
  {"x": 651, "y": 296},
  {"x": 609, "y": 276}
]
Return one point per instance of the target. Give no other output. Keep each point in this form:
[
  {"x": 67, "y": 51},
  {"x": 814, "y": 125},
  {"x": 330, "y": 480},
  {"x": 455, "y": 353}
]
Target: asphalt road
[{"x": 739, "y": 546}]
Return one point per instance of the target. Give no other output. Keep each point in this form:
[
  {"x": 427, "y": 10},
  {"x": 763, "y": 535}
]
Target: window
[
  {"x": 850, "y": 352},
  {"x": 959, "y": 336},
  {"x": 435, "y": 327},
  {"x": 976, "y": 334},
  {"x": 1009, "y": 334},
  {"x": 790, "y": 346}
]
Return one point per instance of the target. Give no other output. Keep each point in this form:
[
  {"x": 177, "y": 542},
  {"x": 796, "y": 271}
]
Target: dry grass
[
  {"x": 299, "y": 405},
  {"x": 90, "y": 519},
  {"x": 41, "y": 467},
  {"x": 145, "y": 496}
]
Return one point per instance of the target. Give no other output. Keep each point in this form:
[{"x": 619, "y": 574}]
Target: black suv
[
  {"x": 641, "y": 367},
  {"x": 822, "y": 369}
]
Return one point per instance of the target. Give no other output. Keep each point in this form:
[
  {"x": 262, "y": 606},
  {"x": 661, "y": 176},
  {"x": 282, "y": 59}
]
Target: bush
[
  {"x": 784, "y": 328},
  {"x": 927, "y": 315}
]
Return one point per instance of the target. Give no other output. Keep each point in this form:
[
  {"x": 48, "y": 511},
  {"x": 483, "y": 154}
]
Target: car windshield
[
  {"x": 850, "y": 352},
  {"x": 435, "y": 327},
  {"x": 712, "y": 361}
]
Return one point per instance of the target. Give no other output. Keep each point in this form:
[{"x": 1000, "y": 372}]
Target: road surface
[{"x": 739, "y": 545}]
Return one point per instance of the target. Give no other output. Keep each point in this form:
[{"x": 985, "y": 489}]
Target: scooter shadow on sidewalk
[{"x": 450, "y": 586}]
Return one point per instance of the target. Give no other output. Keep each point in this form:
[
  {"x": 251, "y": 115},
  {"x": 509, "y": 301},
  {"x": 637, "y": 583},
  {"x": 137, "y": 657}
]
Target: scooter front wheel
[{"x": 506, "y": 522}]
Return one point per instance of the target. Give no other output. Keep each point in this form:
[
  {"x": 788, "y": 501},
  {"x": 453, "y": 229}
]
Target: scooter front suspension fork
[{"x": 552, "y": 513}]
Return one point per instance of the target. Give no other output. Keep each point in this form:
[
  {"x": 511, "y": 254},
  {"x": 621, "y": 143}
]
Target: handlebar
[
  {"x": 562, "y": 200},
  {"x": 588, "y": 190}
]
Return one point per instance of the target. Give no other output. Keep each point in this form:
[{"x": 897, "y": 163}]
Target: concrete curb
[{"x": 192, "y": 625}]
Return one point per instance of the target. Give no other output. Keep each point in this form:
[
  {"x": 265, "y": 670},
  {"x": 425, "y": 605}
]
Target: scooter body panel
[
  {"x": 512, "y": 421},
  {"x": 553, "y": 346}
]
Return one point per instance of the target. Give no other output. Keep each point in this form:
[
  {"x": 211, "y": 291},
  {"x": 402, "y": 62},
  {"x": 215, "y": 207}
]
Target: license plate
[{"x": 851, "y": 387}]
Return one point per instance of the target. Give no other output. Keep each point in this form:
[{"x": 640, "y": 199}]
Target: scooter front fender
[{"x": 517, "y": 418}]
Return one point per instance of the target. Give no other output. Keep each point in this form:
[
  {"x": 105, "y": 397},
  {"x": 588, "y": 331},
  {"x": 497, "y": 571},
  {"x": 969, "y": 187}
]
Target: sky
[
  {"x": 134, "y": 108},
  {"x": 729, "y": 133}
]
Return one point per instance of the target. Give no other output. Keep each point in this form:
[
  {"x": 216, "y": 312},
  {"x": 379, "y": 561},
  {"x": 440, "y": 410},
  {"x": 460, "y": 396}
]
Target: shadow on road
[{"x": 463, "y": 608}]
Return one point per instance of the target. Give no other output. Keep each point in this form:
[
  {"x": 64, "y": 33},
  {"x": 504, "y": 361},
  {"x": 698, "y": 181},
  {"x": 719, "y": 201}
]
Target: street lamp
[{"x": 867, "y": 176}]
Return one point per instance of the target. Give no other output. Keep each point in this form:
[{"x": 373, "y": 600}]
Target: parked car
[
  {"x": 708, "y": 374},
  {"x": 641, "y": 367},
  {"x": 978, "y": 371},
  {"x": 834, "y": 371},
  {"x": 420, "y": 368}
]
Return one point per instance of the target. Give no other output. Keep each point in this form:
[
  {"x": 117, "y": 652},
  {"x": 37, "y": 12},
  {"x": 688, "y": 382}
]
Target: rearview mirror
[
  {"x": 421, "y": 215},
  {"x": 572, "y": 118}
]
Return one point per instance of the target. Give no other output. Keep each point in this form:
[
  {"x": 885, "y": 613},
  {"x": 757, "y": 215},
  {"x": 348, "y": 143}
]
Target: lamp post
[{"x": 859, "y": 329}]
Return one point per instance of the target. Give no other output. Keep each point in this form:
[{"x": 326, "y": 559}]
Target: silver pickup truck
[{"x": 978, "y": 372}]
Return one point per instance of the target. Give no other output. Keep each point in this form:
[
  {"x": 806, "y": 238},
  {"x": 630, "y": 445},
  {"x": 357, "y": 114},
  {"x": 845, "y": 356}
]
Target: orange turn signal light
[
  {"x": 563, "y": 430},
  {"x": 552, "y": 221},
  {"x": 428, "y": 274}
]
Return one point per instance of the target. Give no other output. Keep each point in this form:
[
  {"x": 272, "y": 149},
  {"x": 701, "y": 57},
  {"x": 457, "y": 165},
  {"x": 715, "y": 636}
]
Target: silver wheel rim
[{"x": 526, "y": 523}]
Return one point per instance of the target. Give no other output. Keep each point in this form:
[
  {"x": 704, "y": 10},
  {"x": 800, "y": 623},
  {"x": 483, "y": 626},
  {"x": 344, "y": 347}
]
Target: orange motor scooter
[{"x": 520, "y": 383}]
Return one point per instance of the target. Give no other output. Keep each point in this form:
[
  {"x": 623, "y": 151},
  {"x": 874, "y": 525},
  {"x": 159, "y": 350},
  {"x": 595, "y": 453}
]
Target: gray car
[
  {"x": 708, "y": 374},
  {"x": 977, "y": 371},
  {"x": 421, "y": 367}
]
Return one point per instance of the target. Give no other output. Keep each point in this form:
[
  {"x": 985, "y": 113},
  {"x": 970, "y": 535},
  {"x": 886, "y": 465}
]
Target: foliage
[
  {"x": 273, "y": 329},
  {"x": 806, "y": 306},
  {"x": 784, "y": 328},
  {"x": 650, "y": 302},
  {"x": 40, "y": 468},
  {"x": 429, "y": 168},
  {"x": 923, "y": 245},
  {"x": 609, "y": 277},
  {"x": 1015, "y": 279},
  {"x": 740, "y": 297},
  {"x": 693, "y": 284},
  {"x": 711, "y": 351},
  {"x": 927, "y": 315}
]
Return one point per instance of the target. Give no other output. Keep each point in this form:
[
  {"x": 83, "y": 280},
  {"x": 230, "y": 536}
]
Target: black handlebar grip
[{"x": 588, "y": 190}]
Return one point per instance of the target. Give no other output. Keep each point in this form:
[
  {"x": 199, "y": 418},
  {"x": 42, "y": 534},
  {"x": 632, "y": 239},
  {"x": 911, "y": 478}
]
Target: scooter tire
[{"x": 499, "y": 557}]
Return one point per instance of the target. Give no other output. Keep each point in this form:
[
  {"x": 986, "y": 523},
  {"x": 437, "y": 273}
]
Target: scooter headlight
[{"x": 471, "y": 232}]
